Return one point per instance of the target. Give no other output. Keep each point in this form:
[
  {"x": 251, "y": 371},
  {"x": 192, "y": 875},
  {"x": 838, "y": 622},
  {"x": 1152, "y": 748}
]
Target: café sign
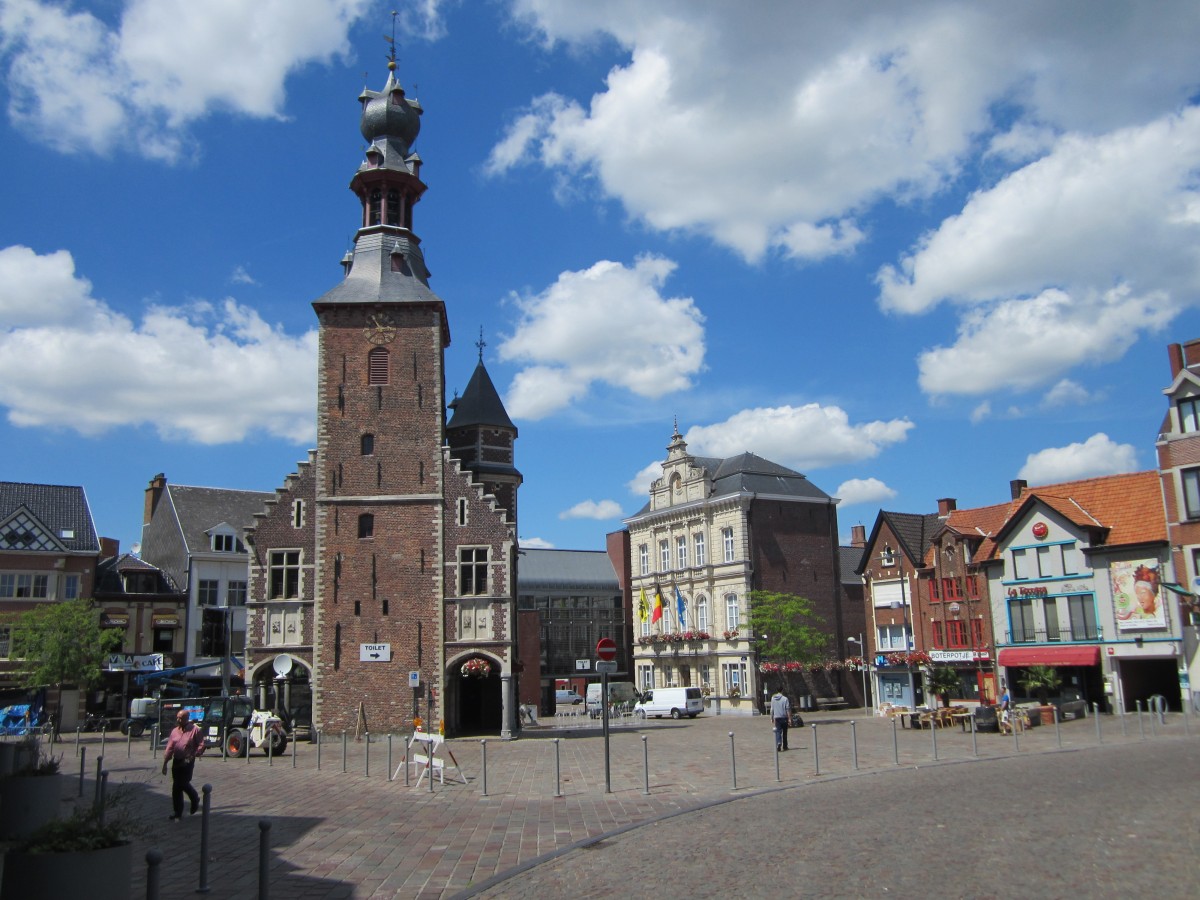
[
  {"x": 133, "y": 662},
  {"x": 945, "y": 656}
]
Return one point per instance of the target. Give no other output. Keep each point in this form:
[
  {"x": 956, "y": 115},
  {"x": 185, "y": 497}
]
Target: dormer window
[{"x": 223, "y": 543}]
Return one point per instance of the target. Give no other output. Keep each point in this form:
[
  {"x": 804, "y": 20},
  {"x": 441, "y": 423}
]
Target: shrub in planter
[
  {"x": 29, "y": 796},
  {"x": 84, "y": 852}
]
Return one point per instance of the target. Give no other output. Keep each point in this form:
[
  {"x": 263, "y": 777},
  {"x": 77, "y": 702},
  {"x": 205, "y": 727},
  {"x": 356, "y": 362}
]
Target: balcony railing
[{"x": 1072, "y": 634}]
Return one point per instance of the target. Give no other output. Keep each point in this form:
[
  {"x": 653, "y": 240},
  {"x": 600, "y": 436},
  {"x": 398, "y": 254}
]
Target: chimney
[
  {"x": 858, "y": 535},
  {"x": 1175, "y": 355},
  {"x": 1016, "y": 486},
  {"x": 154, "y": 493},
  {"x": 946, "y": 506},
  {"x": 109, "y": 547}
]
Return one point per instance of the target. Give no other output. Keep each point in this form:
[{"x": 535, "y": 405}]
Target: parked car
[
  {"x": 567, "y": 698},
  {"x": 619, "y": 693}
]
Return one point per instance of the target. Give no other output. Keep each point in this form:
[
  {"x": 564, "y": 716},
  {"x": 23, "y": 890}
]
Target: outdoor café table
[{"x": 962, "y": 718}]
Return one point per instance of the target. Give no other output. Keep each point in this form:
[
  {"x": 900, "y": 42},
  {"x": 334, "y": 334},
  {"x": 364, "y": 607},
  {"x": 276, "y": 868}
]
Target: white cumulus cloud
[
  {"x": 608, "y": 324},
  {"x": 801, "y": 437},
  {"x": 593, "y": 509},
  {"x": 863, "y": 490},
  {"x": 1098, "y": 455},
  {"x": 209, "y": 372}
]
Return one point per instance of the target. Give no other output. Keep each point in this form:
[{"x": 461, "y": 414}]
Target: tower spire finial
[
  {"x": 392, "y": 44},
  {"x": 481, "y": 343}
]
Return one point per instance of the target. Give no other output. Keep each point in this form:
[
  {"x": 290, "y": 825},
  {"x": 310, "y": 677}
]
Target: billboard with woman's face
[{"x": 1137, "y": 597}]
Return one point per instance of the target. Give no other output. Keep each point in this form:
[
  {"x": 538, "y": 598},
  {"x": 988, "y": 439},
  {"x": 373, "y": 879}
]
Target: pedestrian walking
[
  {"x": 781, "y": 714},
  {"x": 184, "y": 745}
]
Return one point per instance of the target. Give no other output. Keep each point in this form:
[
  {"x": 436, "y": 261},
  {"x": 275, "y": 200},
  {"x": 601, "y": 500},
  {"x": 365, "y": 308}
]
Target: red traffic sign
[{"x": 606, "y": 649}]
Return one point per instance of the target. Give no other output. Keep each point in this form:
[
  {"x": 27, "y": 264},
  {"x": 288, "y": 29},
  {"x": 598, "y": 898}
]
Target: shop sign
[
  {"x": 945, "y": 656},
  {"x": 114, "y": 620},
  {"x": 167, "y": 621},
  {"x": 1039, "y": 591},
  {"x": 131, "y": 662}
]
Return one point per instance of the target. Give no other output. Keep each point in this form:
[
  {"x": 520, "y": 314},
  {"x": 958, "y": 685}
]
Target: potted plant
[
  {"x": 30, "y": 794},
  {"x": 90, "y": 851},
  {"x": 944, "y": 681},
  {"x": 1040, "y": 681}
]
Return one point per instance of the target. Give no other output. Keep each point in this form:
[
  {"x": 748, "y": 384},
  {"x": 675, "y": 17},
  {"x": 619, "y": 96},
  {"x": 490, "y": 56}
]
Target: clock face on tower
[{"x": 382, "y": 329}]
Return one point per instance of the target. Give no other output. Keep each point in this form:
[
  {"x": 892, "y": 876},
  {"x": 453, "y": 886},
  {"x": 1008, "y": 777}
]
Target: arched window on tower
[
  {"x": 377, "y": 366},
  {"x": 393, "y": 207},
  {"x": 373, "y": 211}
]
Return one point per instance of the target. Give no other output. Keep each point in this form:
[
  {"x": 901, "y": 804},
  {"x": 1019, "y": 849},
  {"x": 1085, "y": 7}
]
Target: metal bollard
[
  {"x": 557, "y": 772},
  {"x": 99, "y": 769},
  {"x": 645, "y": 766},
  {"x": 1057, "y": 727},
  {"x": 1124, "y": 727},
  {"x": 82, "y": 765},
  {"x": 153, "y": 739},
  {"x": 933, "y": 732},
  {"x": 1016, "y": 729},
  {"x": 103, "y": 735},
  {"x": 853, "y": 746},
  {"x": 343, "y": 751},
  {"x": 1141, "y": 720},
  {"x": 816, "y": 750},
  {"x": 389, "y": 765},
  {"x": 895, "y": 744},
  {"x": 318, "y": 750},
  {"x": 1096, "y": 716},
  {"x": 269, "y": 738},
  {"x": 128, "y": 744},
  {"x": 483, "y": 748},
  {"x": 78, "y": 730},
  {"x": 367, "y": 757},
  {"x": 154, "y": 860},
  {"x": 733, "y": 760},
  {"x": 264, "y": 859},
  {"x": 295, "y": 747},
  {"x": 407, "y": 745},
  {"x": 205, "y": 806},
  {"x": 103, "y": 791},
  {"x": 974, "y": 739}
]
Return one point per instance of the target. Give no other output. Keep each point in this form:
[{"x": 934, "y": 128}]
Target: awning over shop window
[
  {"x": 114, "y": 620},
  {"x": 1050, "y": 656},
  {"x": 164, "y": 621}
]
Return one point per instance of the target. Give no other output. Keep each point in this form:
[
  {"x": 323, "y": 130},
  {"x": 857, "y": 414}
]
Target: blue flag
[{"x": 681, "y": 608}]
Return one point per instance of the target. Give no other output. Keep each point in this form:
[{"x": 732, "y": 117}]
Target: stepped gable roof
[
  {"x": 480, "y": 404},
  {"x": 200, "y": 509},
  {"x": 750, "y": 473},
  {"x": 546, "y": 569},
  {"x": 46, "y": 517}
]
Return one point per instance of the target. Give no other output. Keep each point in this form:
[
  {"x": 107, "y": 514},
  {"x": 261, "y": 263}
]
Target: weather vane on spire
[
  {"x": 481, "y": 343},
  {"x": 392, "y": 43}
]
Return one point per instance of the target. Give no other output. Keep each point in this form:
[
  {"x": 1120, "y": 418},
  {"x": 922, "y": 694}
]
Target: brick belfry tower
[{"x": 415, "y": 542}]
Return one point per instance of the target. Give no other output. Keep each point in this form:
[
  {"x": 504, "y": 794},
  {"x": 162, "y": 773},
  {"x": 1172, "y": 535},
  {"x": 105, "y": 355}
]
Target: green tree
[
  {"x": 944, "y": 681},
  {"x": 1041, "y": 680},
  {"x": 793, "y": 631},
  {"x": 62, "y": 644}
]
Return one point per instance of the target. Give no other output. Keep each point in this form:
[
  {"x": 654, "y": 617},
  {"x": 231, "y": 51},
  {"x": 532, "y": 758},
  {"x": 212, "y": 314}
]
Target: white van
[
  {"x": 673, "y": 701},
  {"x": 618, "y": 692}
]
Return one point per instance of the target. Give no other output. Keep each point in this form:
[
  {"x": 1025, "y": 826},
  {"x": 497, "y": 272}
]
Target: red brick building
[{"x": 392, "y": 551}]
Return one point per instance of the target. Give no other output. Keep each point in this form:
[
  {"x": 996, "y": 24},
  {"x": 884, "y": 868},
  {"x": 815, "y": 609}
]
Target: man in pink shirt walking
[{"x": 184, "y": 745}]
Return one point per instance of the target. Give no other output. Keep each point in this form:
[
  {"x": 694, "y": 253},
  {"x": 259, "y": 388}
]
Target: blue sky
[{"x": 910, "y": 250}]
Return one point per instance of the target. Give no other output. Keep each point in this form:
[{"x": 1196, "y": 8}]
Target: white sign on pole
[
  {"x": 606, "y": 666},
  {"x": 582, "y": 665},
  {"x": 414, "y": 679},
  {"x": 375, "y": 652}
]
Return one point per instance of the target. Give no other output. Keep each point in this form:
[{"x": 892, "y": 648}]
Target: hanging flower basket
[{"x": 476, "y": 668}]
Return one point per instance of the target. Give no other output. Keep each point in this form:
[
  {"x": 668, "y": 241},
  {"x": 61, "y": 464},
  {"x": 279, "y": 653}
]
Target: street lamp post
[
  {"x": 759, "y": 680},
  {"x": 862, "y": 652}
]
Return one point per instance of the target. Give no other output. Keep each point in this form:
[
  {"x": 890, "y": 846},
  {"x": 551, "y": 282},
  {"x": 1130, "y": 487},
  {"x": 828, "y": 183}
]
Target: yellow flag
[{"x": 643, "y": 608}]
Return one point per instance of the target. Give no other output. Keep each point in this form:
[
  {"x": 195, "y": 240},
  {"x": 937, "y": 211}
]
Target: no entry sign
[{"x": 606, "y": 649}]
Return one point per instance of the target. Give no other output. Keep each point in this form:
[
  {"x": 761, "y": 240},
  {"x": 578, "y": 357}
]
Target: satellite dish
[{"x": 282, "y": 664}]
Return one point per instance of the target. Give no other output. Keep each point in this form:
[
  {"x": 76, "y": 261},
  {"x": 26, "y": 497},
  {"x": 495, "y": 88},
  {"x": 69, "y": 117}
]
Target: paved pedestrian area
[{"x": 341, "y": 827}]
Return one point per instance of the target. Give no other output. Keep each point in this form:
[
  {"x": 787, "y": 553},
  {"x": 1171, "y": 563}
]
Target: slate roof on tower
[{"x": 480, "y": 404}]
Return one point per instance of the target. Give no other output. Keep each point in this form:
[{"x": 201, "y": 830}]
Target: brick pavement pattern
[{"x": 353, "y": 833}]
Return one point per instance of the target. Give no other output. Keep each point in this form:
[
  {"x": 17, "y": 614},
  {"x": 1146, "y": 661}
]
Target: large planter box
[
  {"x": 95, "y": 874},
  {"x": 27, "y": 802}
]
